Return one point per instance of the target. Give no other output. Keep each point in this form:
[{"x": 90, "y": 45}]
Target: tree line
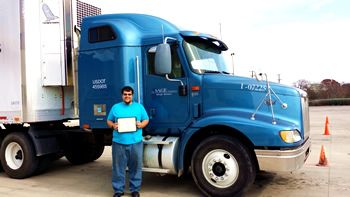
[{"x": 327, "y": 89}]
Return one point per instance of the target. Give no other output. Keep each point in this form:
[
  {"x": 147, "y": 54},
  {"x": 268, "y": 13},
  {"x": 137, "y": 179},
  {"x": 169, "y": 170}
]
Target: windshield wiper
[
  {"x": 215, "y": 71},
  {"x": 211, "y": 71}
]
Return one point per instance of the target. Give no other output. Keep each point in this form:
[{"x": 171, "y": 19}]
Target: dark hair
[{"x": 127, "y": 89}]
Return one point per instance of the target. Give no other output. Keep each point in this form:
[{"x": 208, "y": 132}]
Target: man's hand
[
  {"x": 115, "y": 126},
  {"x": 139, "y": 125},
  {"x": 112, "y": 125}
]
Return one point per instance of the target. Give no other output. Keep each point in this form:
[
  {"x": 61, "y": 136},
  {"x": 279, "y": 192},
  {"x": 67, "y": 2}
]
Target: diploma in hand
[{"x": 126, "y": 124}]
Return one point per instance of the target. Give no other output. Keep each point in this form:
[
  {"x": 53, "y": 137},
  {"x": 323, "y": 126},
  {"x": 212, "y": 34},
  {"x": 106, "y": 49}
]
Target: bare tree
[{"x": 302, "y": 84}]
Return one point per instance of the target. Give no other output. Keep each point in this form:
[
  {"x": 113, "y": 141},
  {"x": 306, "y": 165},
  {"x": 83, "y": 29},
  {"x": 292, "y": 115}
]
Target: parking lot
[{"x": 94, "y": 179}]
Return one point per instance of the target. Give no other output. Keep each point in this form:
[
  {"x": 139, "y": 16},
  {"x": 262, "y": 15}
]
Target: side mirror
[{"x": 163, "y": 59}]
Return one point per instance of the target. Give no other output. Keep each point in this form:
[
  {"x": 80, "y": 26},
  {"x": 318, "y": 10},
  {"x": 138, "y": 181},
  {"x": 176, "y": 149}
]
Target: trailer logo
[
  {"x": 98, "y": 84},
  {"x": 48, "y": 14}
]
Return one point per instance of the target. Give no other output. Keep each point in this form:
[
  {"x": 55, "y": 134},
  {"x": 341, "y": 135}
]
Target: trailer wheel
[
  {"x": 221, "y": 166},
  {"x": 17, "y": 155}
]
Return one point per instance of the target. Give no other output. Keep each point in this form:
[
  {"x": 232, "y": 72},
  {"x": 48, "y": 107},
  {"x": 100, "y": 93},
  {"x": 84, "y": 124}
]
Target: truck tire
[
  {"x": 83, "y": 150},
  {"x": 84, "y": 154},
  {"x": 222, "y": 166},
  {"x": 17, "y": 155},
  {"x": 1, "y": 169}
]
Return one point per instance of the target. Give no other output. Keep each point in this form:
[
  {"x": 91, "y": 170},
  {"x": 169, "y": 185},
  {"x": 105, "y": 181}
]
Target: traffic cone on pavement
[
  {"x": 326, "y": 128},
  {"x": 323, "y": 159}
]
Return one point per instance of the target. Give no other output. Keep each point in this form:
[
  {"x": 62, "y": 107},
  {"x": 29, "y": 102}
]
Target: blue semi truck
[
  {"x": 223, "y": 126},
  {"x": 203, "y": 119}
]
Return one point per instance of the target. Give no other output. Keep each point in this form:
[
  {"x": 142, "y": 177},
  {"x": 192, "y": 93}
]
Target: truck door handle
[{"x": 152, "y": 113}]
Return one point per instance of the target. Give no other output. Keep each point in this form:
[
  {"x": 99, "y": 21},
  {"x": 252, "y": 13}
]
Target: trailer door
[{"x": 10, "y": 60}]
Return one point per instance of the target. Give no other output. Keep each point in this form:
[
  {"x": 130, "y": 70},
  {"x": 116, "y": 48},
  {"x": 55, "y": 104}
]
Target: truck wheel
[
  {"x": 83, "y": 150},
  {"x": 17, "y": 155},
  {"x": 44, "y": 163},
  {"x": 1, "y": 169},
  {"x": 84, "y": 154},
  {"x": 97, "y": 151},
  {"x": 222, "y": 166}
]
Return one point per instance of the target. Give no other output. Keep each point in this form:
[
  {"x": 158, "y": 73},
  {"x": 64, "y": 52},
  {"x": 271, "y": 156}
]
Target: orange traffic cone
[
  {"x": 326, "y": 128},
  {"x": 323, "y": 159}
]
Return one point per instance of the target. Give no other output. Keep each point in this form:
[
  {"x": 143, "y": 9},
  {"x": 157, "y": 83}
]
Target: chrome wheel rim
[{"x": 220, "y": 168}]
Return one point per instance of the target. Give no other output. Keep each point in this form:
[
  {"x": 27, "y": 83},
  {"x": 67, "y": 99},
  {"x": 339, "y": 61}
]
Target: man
[{"x": 127, "y": 147}]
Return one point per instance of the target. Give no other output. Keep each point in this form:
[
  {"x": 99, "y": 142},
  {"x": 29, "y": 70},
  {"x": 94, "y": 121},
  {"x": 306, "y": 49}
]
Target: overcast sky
[{"x": 298, "y": 39}]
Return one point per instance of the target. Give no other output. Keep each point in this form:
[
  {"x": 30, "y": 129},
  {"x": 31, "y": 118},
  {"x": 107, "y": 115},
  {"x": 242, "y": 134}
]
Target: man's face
[{"x": 127, "y": 97}]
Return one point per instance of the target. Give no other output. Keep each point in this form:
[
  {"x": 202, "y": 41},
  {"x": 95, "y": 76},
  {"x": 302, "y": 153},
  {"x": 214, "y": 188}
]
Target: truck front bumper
[{"x": 283, "y": 160}]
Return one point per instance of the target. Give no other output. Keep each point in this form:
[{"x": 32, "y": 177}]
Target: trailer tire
[
  {"x": 222, "y": 166},
  {"x": 17, "y": 155}
]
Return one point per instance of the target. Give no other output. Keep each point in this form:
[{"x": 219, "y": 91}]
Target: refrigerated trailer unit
[{"x": 38, "y": 45}]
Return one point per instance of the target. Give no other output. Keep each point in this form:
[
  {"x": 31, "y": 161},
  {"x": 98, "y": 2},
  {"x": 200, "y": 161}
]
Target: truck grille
[{"x": 305, "y": 113}]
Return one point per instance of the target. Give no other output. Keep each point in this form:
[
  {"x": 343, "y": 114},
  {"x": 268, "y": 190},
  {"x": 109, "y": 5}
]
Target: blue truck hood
[
  {"x": 243, "y": 103},
  {"x": 248, "y": 95}
]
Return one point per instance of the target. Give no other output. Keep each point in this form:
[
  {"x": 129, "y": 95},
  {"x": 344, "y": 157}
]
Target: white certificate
[{"x": 126, "y": 124}]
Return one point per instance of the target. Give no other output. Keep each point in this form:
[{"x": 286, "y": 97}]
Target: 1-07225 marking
[{"x": 254, "y": 87}]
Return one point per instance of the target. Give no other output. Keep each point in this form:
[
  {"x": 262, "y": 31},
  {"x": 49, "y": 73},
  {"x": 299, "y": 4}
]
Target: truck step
[{"x": 156, "y": 170}]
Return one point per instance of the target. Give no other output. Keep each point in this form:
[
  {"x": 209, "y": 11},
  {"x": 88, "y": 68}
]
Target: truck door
[{"x": 167, "y": 110}]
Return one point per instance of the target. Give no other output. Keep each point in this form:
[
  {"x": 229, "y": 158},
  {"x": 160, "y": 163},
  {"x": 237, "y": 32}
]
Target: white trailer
[{"x": 38, "y": 42}]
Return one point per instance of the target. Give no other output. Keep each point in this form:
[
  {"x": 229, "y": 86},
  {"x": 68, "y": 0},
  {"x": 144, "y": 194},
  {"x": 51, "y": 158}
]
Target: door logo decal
[{"x": 163, "y": 92}]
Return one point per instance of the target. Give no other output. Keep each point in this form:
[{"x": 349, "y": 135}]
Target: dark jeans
[{"x": 127, "y": 156}]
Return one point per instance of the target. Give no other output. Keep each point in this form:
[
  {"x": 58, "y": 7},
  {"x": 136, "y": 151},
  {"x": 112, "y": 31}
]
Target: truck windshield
[{"x": 205, "y": 56}]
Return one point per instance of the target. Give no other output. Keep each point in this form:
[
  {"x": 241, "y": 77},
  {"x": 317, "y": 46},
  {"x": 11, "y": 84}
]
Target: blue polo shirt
[{"x": 123, "y": 110}]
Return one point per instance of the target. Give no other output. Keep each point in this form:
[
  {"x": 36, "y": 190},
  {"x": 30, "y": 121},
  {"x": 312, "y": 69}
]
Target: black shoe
[
  {"x": 118, "y": 194},
  {"x": 135, "y": 194}
]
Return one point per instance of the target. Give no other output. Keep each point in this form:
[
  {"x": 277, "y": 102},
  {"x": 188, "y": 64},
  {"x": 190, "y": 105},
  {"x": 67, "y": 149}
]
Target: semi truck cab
[{"x": 222, "y": 127}]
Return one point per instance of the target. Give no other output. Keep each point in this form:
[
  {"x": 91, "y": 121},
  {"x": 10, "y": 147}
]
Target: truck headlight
[{"x": 290, "y": 136}]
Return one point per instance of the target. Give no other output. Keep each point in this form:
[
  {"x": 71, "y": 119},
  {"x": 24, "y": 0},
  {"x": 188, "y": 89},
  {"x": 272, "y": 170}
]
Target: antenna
[
  {"x": 279, "y": 78},
  {"x": 233, "y": 65},
  {"x": 163, "y": 34},
  {"x": 220, "y": 31}
]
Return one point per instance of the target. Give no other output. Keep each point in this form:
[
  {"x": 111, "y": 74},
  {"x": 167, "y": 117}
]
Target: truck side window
[
  {"x": 100, "y": 34},
  {"x": 176, "y": 67}
]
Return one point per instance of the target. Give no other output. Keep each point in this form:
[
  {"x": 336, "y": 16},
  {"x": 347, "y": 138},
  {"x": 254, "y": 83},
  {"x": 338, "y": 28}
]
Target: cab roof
[{"x": 127, "y": 30}]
